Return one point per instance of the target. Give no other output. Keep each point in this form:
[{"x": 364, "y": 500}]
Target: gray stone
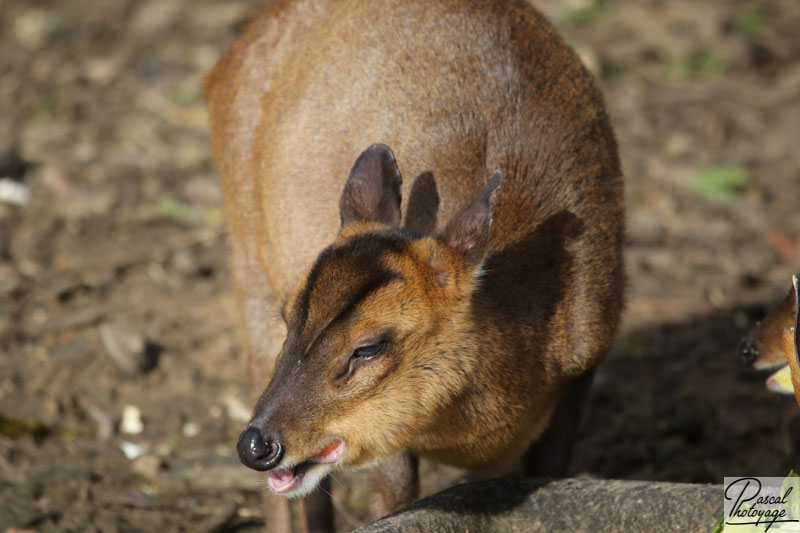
[{"x": 574, "y": 505}]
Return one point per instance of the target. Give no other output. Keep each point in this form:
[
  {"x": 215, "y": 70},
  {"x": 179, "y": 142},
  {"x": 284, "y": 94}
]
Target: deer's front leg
[
  {"x": 550, "y": 455},
  {"x": 393, "y": 483}
]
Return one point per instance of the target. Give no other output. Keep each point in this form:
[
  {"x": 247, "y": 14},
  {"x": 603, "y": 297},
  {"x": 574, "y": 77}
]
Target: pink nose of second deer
[{"x": 256, "y": 452}]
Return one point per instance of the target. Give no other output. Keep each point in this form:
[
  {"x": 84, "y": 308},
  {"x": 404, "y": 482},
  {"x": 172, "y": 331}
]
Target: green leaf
[
  {"x": 586, "y": 14},
  {"x": 170, "y": 207},
  {"x": 184, "y": 94},
  {"x": 750, "y": 22},
  {"x": 720, "y": 526},
  {"x": 720, "y": 183},
  {"x": 704, "y": 64},
  {"x": 793, "y": 483},
  {"x": 44, "y": 106},
  {"x": 16, "y": 427}
]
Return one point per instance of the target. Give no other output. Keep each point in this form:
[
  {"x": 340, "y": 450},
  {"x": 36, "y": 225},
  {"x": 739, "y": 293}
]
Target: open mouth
[
  {"x": 781, "y": 381},
  {"x": 285, "y": 480}
]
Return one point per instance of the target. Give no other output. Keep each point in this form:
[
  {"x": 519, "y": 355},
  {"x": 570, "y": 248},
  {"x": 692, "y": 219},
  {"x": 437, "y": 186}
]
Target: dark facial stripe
[
  {"x": 365, "y": 252},
  {"x": 304, "y": 300},
  {"x": 364, "y": 291},
  {"x": 371, "y": 286}
]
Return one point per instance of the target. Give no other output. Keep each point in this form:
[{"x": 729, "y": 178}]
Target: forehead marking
[
  {"x": 356, "y": 297},
  {"x": 361, "y": 263}
]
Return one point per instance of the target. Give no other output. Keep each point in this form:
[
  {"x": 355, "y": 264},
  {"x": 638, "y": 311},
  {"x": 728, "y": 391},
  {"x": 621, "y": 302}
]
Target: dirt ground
[{"x": 122, "y": 390}]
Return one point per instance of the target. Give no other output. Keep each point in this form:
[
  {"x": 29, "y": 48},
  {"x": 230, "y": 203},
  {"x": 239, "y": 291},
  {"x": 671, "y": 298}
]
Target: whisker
[
  {"x": 337, "y": 481},
  {"x": 262, "y": 483},
  {"x": 342, "y": 508}
]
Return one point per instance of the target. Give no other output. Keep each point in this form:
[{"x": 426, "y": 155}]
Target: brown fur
[
  {"x": 762, "y": 348},
  {"x": 773, "y": 342},
  {"x": 488, "y": 318},
  {"x": 789, "y": 350}
]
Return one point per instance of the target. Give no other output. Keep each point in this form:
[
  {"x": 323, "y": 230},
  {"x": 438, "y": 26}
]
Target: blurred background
[{"x": 122, "y": 389}]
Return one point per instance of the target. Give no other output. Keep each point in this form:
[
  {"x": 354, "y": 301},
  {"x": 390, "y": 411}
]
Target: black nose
[
  {"x": 749, "y": 350},
  {"x": 256, "y": 452}
]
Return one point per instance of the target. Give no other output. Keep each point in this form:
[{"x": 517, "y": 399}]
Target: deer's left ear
[
  {"x": 372, "y": 192},
  {"x": 468, "y": 231}
]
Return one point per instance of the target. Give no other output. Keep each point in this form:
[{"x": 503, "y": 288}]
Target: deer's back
[{"x": 457, "y": 89}]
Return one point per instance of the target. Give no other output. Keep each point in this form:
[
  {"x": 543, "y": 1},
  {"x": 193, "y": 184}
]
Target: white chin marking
[
  {"x": 301, "y": 479},
  {"x": 297, "y": 482}
]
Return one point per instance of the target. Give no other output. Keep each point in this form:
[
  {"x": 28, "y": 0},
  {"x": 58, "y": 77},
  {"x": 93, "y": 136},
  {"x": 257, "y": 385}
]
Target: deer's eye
[{"x": 365, "y": 353}]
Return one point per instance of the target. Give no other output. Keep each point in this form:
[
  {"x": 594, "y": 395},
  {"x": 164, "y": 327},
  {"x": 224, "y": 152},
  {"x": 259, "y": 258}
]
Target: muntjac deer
[
  {"x": 775, "y": 342},
  {"x": 464, "y": 329}
]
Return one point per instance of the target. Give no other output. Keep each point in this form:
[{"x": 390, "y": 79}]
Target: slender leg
[
  {"x": 393, "y": 484},
  {"x": 316, "y": 512},
  {"x": 312, "y": 514},
  {"x": 278, "y": 513},
  {"x": 549, "y": 456}
]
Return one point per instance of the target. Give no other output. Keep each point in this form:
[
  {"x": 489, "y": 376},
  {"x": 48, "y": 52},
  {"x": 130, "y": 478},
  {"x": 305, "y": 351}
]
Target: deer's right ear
[
  {"x": 468, "y": 231},
  {"x": 372, "y": 192}
]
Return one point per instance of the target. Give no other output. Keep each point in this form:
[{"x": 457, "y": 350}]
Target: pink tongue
[{"x": 281, "y": 480}]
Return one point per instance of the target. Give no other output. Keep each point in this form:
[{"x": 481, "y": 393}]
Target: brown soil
[{"x": 114, "y": 287}]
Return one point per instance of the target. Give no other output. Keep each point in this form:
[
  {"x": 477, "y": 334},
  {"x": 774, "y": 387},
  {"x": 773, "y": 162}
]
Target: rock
[
  {"x": 533, "y": 505},
  {"x": 105, "y": 425},
  {"x": 184, "y": 263},
  {"x": 589, "y": 58},
  {"x": 190, "y": 429},
  {"x": 131, "y": 420},
  {"x": 127, "y": 348},
  {"x": 14, "y": 193},
  {"x": 102, "y": 70},
  {"x": 131, "y": 450},
  {"x": 235, "y": 409},
  {"x": 33, "y": 27},
  {"x": 147, "y": 466},
  {"x": 42, "y": 323}
]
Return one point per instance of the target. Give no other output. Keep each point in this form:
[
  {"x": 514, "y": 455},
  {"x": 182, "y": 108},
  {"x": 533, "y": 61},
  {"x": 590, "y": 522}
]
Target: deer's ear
[
  {"x": 372, "y": 191},
  {"x": 467, "y": 233}
]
